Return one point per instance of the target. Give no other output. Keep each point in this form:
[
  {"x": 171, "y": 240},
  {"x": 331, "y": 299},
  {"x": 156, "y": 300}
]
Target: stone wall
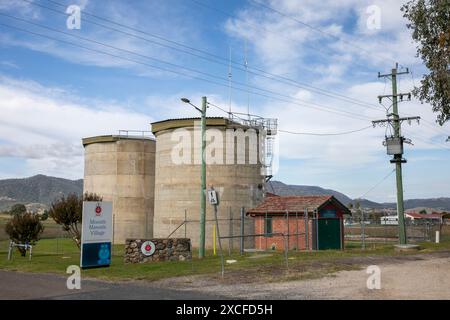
[{"x": 176, "y": 249}]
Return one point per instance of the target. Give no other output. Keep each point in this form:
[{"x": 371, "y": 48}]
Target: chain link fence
[
  {"x": 241, "y": 233},
  {"x": 235, "y": 234},
  {"x": 373, "y": 232}
]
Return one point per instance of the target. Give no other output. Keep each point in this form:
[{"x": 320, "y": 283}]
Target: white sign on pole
[
  {"x": 212, "y": 197},
  {"x": 96, "y": 234}
]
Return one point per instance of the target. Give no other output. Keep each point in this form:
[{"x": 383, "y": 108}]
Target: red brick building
[{"x": 283, "y": 222}]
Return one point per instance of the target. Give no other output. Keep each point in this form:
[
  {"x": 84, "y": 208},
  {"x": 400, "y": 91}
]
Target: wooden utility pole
[{"x": 394, "y": 143}]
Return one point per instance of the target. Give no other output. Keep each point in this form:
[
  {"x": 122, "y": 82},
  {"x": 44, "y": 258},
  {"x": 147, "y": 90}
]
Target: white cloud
[
  {"x": 23, "y": 8},
  {"x": 9, "y": 64},
  {"x": 160, "y": 22},
  {"x": 284, "y": 45},
  {"x": 45, "y": 125}
]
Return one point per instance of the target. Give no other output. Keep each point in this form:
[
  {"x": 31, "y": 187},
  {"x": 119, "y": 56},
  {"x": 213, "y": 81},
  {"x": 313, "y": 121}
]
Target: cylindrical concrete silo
[
  {"x": 239, "y": 183},
  {"x": 121, "y": 169}
]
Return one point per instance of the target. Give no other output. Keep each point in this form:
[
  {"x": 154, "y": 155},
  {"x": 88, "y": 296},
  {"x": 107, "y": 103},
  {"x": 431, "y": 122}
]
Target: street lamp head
[{"x": 185, "y": 100}]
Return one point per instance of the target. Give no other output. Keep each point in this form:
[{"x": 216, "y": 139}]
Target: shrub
[
  {"x": 24, "y": 228},
  {"x": 17, "y": 209},
  {"x": 44, "y": 216},
  {"x": 67, "y": 212}
]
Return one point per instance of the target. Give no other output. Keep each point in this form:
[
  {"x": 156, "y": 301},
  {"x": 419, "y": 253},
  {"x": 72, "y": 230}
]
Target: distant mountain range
[
  {"x": 37, "y": 191},
  {"x": 40, "y": 191},
  {"x": 283, "y": 189}
]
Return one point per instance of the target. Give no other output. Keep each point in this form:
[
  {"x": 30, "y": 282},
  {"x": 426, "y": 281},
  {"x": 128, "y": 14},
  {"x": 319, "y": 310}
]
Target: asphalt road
[{"x": 17, "y": 285}]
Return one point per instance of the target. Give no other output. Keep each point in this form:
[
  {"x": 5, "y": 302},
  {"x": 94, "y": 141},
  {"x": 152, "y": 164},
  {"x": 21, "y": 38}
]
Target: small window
[{"x": 268, "y": 226}]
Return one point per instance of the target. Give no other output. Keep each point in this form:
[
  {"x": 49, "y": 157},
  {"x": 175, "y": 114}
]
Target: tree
[
  {"x": 44, "y": 215},
  {"x": 24, "y": 228},
  {"x": 375, "y": 216},
  {"x": 423, "y": 211},
  {"x": 67, "y": 212},
  {"x": 18, "y": 209},
  {"x": 358, "y": 212},
  {"x": 430, "y": 25}
]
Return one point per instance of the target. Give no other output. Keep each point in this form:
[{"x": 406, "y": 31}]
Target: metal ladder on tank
[{"x": 270, "y": 125}]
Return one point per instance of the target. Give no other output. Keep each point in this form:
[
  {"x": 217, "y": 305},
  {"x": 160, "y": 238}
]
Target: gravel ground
[{"x": 404, "y": 277}]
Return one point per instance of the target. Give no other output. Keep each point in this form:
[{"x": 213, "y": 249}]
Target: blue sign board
[
  {"x": 96, "y": 235},
  {"x": 96, "y": 255}
]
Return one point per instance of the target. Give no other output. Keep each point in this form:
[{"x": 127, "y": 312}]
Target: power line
[
  {"x": 332, "y": 134},
  {"x": 317, "y": 48},
  {"x": 360, "y": 49},
  {"x": 299, "y": 133},
  {"x": 325, "y": 134},
  {"x": 377, "y": 184},
  {"x": 286, "y": 99},
  {"x": 428, "y": 142},
  {"x": 318, "y": 106},
  {"x": 259, "y": 73}
]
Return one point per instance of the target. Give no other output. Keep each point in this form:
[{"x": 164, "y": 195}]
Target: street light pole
[
  {"x": 201, "y": 252},
  {"x": 201, "y": 249}
]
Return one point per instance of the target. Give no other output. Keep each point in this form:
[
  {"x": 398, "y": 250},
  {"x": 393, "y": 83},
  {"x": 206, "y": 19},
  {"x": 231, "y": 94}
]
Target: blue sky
[{"x": 53, "y": 93}]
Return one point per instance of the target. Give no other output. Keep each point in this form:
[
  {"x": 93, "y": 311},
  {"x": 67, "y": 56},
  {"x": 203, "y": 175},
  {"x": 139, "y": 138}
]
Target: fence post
[
  {"x": 241, "y": 239},
  {"x": 306, "y": 228},
  {"x": 230, "y": 233},
  {"x": 363, "y": 231},
  {"x": 264, "y": 229},
  {"x": 10, "y": 249},
  {"x": 286, "y": 249},
  {"x": 185, "y": 223},
  {"x": 316, "y": 217},
  {"x": 114, "y": 229},
  {"x": 425, "y": 231},
  {"x": 296, "y": 232},
  {"x": 217, "y": 234},
  {"x": 288, "y": 231}
]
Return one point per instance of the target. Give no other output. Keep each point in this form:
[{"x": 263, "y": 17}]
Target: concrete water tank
[
  {"x": 121, "y": 169},
  {"x": 239, "y": 182}
]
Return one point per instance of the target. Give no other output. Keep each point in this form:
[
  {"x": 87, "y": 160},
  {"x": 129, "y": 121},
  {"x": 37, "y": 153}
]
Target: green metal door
[{"x": 329, "y": 234}]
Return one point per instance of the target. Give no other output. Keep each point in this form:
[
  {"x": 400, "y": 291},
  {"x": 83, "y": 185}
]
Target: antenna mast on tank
[
  {"x": 246, "y": 78},
  {"x": 230, "y": 84}
]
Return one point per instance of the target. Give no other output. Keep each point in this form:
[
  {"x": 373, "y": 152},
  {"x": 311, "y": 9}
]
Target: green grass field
[
  {"x": 55, "y": 255},
  {"x": 45, "y": 259}
]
